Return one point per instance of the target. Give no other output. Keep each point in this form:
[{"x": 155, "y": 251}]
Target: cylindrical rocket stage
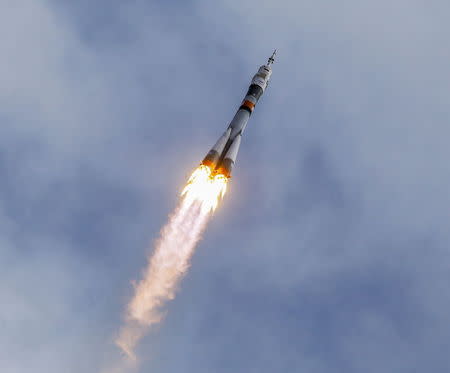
[{"x": 222, "y": 156}]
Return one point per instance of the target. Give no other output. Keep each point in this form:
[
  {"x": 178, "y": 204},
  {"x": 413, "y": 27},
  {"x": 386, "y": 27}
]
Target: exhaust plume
[{"x": 171, "y": 257}]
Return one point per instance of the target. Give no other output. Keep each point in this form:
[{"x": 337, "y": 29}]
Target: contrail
[{"x": 171, "y": 257}]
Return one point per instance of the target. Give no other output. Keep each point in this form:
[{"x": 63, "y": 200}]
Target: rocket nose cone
[{"x": 272, "y": 58}]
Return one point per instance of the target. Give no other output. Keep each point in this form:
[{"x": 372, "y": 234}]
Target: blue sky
[{"x": 330, "y": 252}]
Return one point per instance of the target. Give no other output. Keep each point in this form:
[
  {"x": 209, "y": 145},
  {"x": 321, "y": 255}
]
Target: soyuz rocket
[{"x": 221, "y": 158}]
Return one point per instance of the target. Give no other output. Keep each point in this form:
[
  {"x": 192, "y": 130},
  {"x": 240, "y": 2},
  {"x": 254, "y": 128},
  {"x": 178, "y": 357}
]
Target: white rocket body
[{"x": 222, "y": 157}]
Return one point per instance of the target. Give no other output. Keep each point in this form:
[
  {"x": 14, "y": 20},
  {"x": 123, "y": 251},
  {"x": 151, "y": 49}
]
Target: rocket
[{"x": 222, "y": 157}]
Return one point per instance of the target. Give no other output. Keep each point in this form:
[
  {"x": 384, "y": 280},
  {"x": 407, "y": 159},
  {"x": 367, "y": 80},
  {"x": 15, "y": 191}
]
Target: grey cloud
[{"x": 330, "y": 250}]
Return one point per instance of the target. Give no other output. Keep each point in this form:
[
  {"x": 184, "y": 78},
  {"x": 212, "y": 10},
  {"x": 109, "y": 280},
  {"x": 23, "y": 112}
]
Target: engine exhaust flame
[
  {"x": 171, "y": 257},
  {"x": 205, "y": 187}
]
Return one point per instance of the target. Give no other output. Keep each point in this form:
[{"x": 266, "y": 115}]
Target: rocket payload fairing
[{"x": 222, "y": 156}]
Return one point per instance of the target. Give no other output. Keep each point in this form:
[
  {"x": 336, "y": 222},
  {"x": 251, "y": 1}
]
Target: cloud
[{"x": 329, "y": 251}]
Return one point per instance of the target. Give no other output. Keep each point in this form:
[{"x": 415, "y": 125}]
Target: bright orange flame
[{"x": 205, "y": 187}]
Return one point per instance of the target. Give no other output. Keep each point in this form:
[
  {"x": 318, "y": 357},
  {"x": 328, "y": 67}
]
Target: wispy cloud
[{"x": 337, "y": 262}]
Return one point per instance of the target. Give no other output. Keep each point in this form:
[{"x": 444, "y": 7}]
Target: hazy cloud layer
[{"x": 330, "y": 252}]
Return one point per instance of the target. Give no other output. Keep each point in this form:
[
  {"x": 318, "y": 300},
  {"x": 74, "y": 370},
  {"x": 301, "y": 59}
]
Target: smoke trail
[
  {"x": 166, "y": 267},
  {"x": 171, "y": 257}
]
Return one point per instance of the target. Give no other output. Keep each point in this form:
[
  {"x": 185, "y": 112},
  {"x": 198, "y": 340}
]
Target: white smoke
[{"x": 167, "y": 265}]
